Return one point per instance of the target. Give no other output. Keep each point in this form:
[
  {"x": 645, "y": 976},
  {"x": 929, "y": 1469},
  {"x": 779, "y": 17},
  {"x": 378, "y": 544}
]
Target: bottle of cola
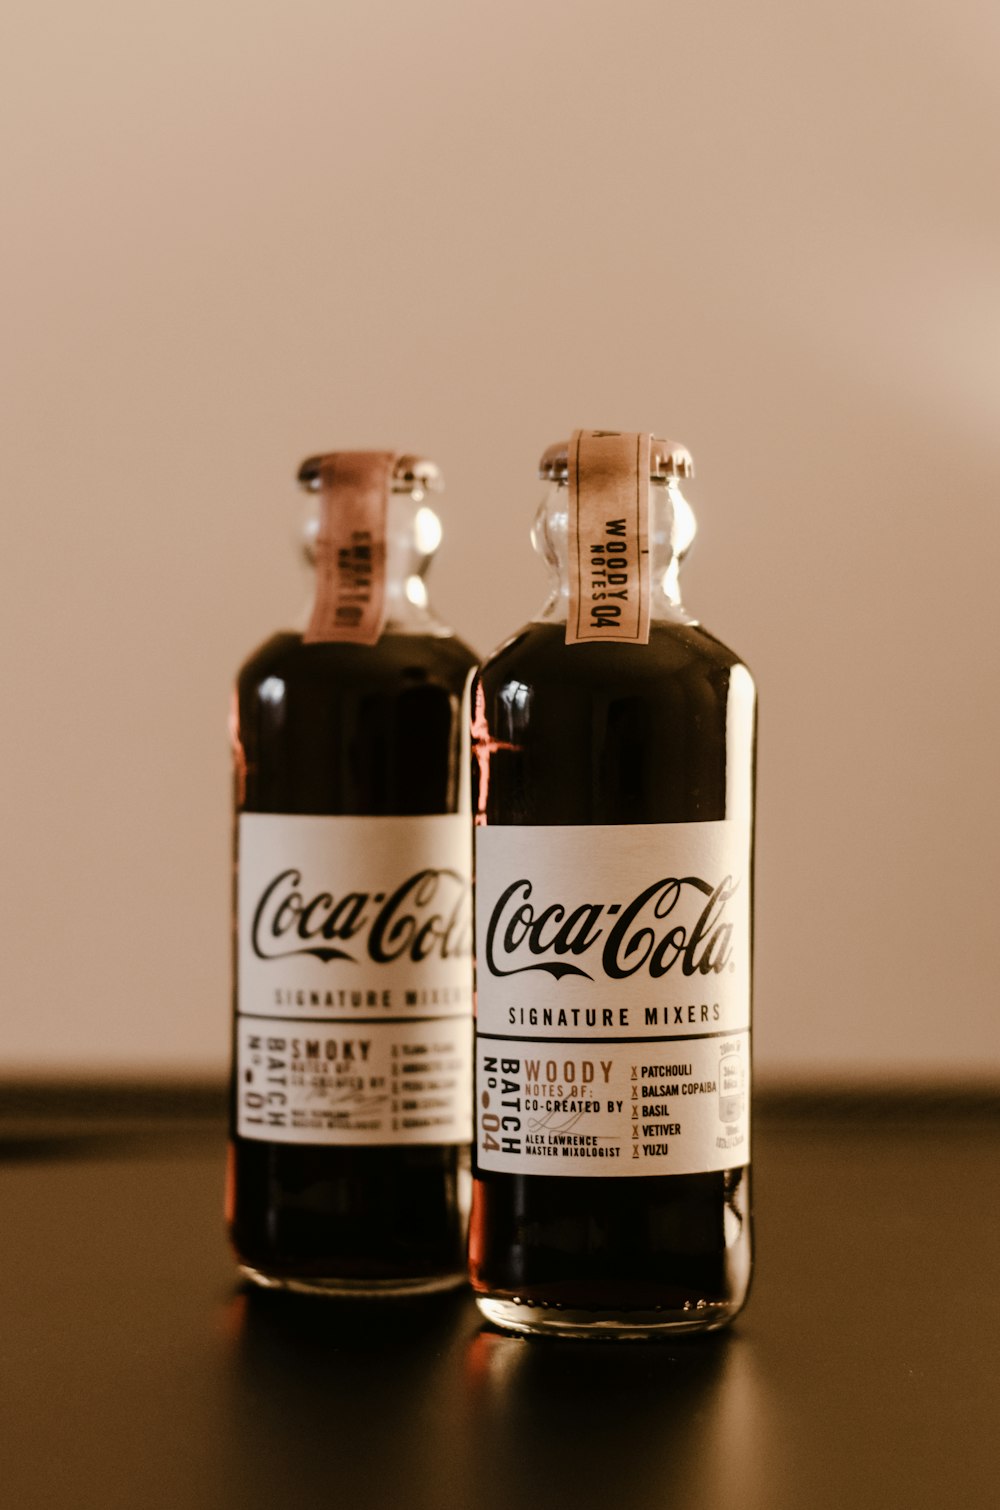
[
  {"x": 351, "y": 1090},
  {"x": 613, "y": 792}
]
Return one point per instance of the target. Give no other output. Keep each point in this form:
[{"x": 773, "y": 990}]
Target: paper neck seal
[
  {"x": 608, "y": 473},
  {"x": 350, "y": 603}
]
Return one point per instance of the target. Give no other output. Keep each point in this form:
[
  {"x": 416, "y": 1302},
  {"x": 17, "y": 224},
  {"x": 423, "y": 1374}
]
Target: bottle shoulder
[
  {"x": 538, "y": 654},
  {"x": 396, "y": 659}
]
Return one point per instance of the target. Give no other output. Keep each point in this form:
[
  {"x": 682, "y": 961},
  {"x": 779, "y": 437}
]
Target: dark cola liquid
[
  {"x": 607, "y": 734},
  {"x": 349, "y": 730}
]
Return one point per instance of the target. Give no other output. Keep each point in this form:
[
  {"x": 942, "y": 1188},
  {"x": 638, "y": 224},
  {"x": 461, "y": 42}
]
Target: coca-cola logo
[
  {"x": 653, "y": 932},
  {"x": 427, "y": 915}
]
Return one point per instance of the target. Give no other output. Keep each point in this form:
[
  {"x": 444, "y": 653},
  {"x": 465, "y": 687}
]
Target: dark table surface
[{"x": 135, "y": 1371}]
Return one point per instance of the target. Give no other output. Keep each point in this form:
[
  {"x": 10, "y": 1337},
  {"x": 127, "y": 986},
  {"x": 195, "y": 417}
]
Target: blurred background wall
[{"x": 235, "y": 234}]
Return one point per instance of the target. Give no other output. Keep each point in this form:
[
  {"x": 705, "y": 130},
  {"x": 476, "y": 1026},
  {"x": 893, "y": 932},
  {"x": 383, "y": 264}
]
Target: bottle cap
[
  {"x": 666, "y": 459},
  {"x": 408, "y": 473}
]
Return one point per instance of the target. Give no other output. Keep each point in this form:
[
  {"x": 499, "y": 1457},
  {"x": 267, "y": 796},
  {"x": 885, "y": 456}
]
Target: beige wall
[{"x": 234, "y": 234}]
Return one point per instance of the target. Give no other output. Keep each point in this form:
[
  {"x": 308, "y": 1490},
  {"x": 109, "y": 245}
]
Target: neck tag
[{"x": 608, "y": 537}]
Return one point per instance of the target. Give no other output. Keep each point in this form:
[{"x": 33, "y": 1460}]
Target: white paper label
[
  {"x": 613, "y": 998},
  {"x": 354, "y": 992}
]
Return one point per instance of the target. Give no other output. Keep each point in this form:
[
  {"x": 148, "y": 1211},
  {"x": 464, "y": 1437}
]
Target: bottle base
[
  {"x": 353, "y": 1289},
  {"x": 533, "y": 1320}
]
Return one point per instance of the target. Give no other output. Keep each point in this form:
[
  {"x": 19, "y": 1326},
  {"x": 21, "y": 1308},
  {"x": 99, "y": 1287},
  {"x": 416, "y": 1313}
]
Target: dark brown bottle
[
  {"x": 613, "y": 791},
  {"x": 348, "y": 1160}
]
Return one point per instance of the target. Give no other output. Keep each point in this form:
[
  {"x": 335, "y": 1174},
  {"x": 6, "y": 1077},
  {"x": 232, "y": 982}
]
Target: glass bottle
[
  {"x": 348, "y": 1160},
  {"x": 613, "y": 793}
]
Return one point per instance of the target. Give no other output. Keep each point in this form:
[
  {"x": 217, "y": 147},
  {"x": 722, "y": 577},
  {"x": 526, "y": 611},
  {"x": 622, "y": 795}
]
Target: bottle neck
[
  {"x": 413, "y": 534},
  {"x": 671, "y": 530}
]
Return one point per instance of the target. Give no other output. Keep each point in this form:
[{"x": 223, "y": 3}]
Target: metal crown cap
[
  {"x": 667, "y": 458},
  {"x": 409, "y": 473}
]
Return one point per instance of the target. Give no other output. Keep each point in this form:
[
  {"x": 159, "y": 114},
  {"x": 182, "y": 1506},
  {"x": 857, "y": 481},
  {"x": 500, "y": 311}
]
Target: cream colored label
[
  {"x": 354, "y": 1083},
  {"x": 636, "y": 1108},
  {"x": 350, "y": 547},
  {"x": 613, "y": 998},
  {"x": 354, "y": 989},
  {"x": 608, "y": 537}
]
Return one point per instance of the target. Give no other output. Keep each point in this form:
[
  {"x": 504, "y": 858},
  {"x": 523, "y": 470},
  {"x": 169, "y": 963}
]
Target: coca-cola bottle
[
  {"x": 613, "y": 792},
  {"x": 351, "y": 1090}
]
